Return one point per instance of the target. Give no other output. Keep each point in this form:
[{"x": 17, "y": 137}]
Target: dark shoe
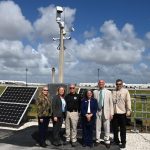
[
  {"x": 91, "y": 146},
  {"x": 107, "y": 145},
  {"x": 122, "y": 145},
  {"x": 74, "y": 144},
  {"x": 84, "y": 145},
  {"x": 66, "y": 142},
  {"x": 97, "y": 143},
  {"x": 59, "y": 143},
  {"x": 115, "y": 143},
  {"x": 56, "y": 144},
  {"x": 43, "y": 145}
]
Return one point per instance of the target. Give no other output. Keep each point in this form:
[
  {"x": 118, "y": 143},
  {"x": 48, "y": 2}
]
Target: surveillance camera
[
  {"x": 72, "y": 29},
  {"x": 59, "y": 9},
  {"x": 64, "y": 32}
]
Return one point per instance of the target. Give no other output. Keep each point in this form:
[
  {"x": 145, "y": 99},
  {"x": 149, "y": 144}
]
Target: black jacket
[
  {"x": 72, "y": 102},
  {"x": 56, "y": 106}
]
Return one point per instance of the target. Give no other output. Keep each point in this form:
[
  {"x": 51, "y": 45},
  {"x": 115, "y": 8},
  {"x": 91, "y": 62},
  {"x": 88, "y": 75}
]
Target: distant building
[{"x": 112, "y": 85}]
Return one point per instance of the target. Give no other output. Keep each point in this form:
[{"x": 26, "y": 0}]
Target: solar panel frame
[{"x": 16, "y": 103}]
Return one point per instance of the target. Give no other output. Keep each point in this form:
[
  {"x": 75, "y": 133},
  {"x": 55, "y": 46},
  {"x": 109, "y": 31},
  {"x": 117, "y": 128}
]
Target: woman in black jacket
[{"x": 58, "y": 109}]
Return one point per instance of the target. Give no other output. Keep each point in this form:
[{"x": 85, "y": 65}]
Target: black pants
[
  {"x": 119, "y": 120},
  {"x": 87, "y": 130},
  {"x": 57, "y": 130},
  {"x": 43, "y": 128}
]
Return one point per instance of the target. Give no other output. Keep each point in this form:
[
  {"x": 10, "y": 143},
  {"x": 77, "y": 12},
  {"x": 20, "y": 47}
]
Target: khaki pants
[
  {"x": 106, "y": 122},
  {"x": 71, "y": 126}
]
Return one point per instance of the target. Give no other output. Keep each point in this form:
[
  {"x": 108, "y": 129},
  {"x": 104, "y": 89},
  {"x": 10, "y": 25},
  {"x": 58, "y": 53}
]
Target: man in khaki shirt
[{"x": 122, "y": 109}]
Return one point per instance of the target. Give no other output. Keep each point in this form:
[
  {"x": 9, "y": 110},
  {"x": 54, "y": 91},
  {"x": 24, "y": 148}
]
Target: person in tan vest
[{"x": 122, "y": 109}]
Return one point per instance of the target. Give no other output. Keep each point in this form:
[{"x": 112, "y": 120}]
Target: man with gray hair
[
  {"x": 105, "y": 112},
  {"x": 72, "y": 116}
]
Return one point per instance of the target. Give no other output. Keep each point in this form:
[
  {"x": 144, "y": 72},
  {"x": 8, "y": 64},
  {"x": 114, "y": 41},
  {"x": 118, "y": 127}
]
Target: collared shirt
[
  {"x": 89, "y": 110},
  {"x": 121, "y": 101},
  {"x": 63, "y": 104},
  {"x": 101, "y": 98}
]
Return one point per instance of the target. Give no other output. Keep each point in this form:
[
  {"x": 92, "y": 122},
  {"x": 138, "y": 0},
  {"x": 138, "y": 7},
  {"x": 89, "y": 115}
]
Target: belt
[
  {"x": 72, "y": 110},
  {"x": 99, "y": 109}
]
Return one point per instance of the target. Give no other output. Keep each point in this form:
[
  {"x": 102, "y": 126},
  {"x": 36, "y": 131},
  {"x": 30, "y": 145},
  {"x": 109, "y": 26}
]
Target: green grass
[
  {"x": 2, "y": 89},
  {"x": 139, "y": 105},
  {"x": 32, "y": 111}
]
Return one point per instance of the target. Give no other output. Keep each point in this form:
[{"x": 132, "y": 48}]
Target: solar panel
[
  {"x": 14, "y": 102},
  {"x": 17, "y": 94}
]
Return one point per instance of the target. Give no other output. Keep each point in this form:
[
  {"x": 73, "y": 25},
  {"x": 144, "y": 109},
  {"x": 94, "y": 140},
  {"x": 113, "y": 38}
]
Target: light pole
[
  {"x": 26, "y": 76},
  {"x": 59, "y": 11},
  {"x": 98, "y": 73},
  {"x": 53, "y": 75},
  {"x": 61, "y": 56}
]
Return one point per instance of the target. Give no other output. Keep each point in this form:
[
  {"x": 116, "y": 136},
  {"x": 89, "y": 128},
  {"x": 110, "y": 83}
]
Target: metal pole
[
  {"x": 98, "y": 73},
  {"x": 135, "y": 129},
  {"x": 53, "y": 75},
  {"x": 61, "y": 57},
  {"x": 26, "y": 76}
]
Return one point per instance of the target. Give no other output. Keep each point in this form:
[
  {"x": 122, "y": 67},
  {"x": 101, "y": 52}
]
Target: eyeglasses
[
  {"x": 72, "y": 87},
  {"x": 118, "y": 83}
]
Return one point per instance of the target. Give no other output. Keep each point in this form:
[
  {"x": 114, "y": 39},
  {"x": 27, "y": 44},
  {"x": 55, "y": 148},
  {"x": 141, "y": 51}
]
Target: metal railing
[{"x": 141, "y": 110}]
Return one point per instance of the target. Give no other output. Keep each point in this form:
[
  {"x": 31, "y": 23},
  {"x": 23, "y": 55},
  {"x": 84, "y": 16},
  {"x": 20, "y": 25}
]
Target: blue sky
[{"x": 112, "y": 35}]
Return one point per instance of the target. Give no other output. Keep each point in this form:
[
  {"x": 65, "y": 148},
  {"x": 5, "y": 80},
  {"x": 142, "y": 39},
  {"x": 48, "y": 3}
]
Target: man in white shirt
[{"x": 105, "y": 112}]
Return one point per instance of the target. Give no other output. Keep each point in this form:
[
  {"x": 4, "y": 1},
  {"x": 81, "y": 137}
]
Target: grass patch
[{"x": 2, "y": 89}]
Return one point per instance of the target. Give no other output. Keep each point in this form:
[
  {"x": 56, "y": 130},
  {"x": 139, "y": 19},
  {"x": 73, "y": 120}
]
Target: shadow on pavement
[{"x": 29, "y": 138}]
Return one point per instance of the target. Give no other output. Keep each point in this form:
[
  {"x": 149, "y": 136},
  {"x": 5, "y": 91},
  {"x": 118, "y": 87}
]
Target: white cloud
[
  {"x": 15, "y": 57},
  {"x": 148, "y": 35},
  {"x": 113, "y": 47},
  {"x": 143, "y": 66},
  {"x": 13, "y": 25},
  {"x": 91, "y": 33}
]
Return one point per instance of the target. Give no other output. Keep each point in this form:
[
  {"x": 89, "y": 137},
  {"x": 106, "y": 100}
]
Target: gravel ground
[{"x": 138, "y": 141}]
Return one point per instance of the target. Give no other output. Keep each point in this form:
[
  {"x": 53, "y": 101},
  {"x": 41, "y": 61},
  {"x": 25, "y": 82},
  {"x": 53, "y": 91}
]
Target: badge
[{"x": 75, "y": 98}]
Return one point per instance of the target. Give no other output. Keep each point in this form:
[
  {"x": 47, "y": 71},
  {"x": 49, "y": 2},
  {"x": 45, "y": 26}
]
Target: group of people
[{"x": 98, "y": 107}]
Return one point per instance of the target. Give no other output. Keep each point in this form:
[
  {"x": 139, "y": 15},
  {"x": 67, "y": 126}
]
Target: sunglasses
[
  {"x": 72, "y": 87},
  {"x": 45, "y": 90}
]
